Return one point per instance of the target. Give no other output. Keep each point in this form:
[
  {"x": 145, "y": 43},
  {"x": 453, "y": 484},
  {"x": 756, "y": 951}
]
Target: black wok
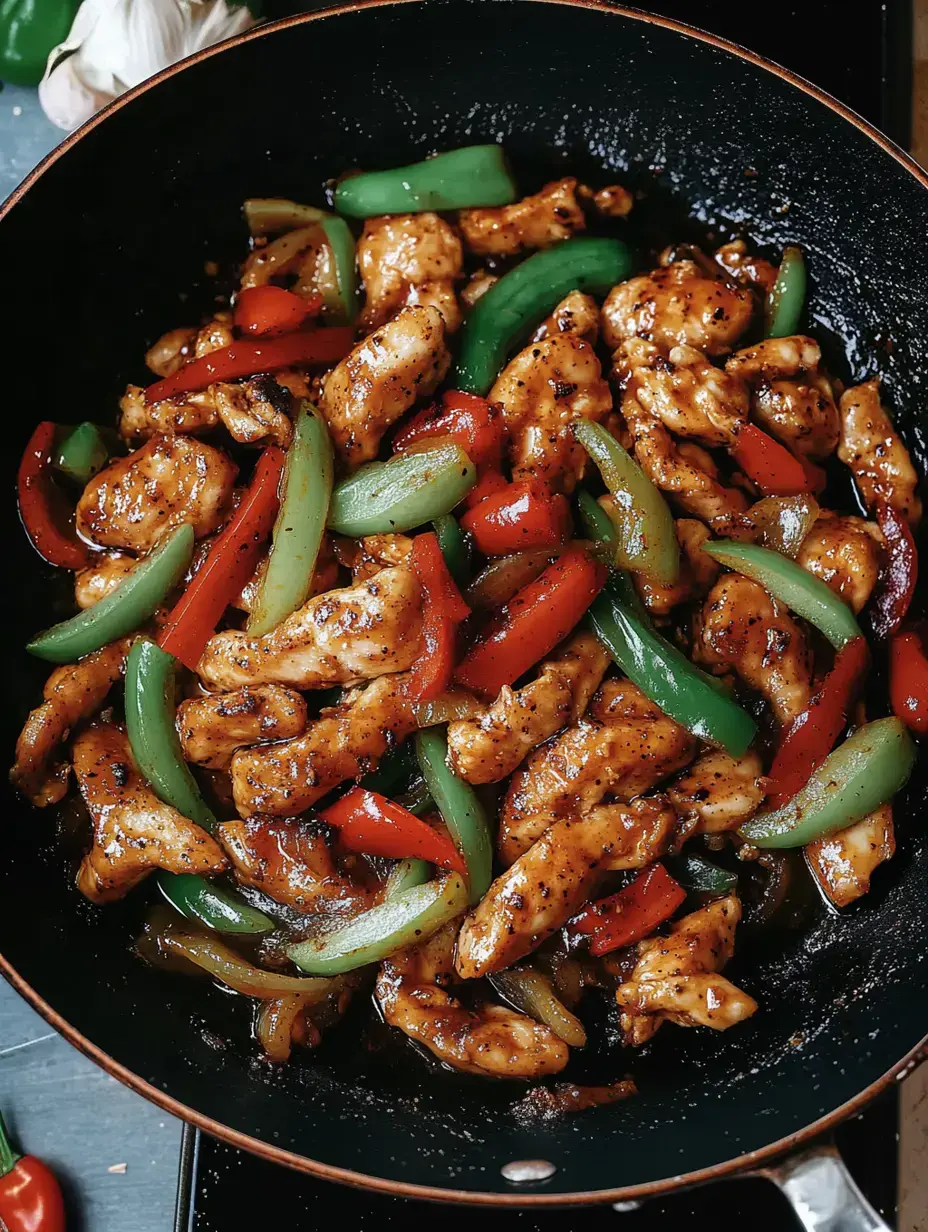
[{"x": 97, "y": 246}]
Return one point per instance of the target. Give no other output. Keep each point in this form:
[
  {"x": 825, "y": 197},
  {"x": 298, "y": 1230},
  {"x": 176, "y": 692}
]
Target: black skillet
[{"x": 102, "y": 247}]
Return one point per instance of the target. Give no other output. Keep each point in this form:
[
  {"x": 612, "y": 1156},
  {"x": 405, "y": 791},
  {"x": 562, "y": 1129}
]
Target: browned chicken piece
[
  {"x": 72, "y": 692},
  {"x": 255, "y": 410},
  {"x": 675, "y": 978},
  {"x": 325, "y": 576},
  {"x": 684, "y": 390},
  {"x": 542, "y": 391},
  {"x": 740, "y": 626},
  {"x": 101, "y": 577},
  {"x": 252, "y": 411},
  {"x": 697, "y": 569},
  {"x": 747, "y": 270},
  {"x": 383, "y": 376},
  {"x": 613, "y": 201},
  {"x": 539, "y": 221},
  {"x": 366, "y": 557},
  {"x": 139, "y": 420},
  {"x": 486, "y": 749},
  {"x": 294, "y": 862},
  {"x": 282, "y": 780},
  {"x": 555, "y": 877},
  {"x": 844, "y": 862},
  {"x": 133, "y": 831},
  {"x": 623, "y": 746},
  {"x": 577, "y": 313},
  {"x": 678, "y": 305},
  {"x": 492, "y": 1041},
  {"x": 845, "y": 553},
  {"x": 137, "y": 500},
  {"x": 212, "y": 728},
  {"x": 355, "y": 633},
  {"x": 477, "y": 286},
  {"x": 171, "y": 351},
  {"x": 215, "y": 335},
  {"x": 164, "y": 358},
  {"x": 408, "y": 259},
  {"x": 873, "y": 449},
  {"x": 718, "y": 792}
]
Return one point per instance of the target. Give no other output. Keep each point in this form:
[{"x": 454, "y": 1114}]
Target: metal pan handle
[{"x": 822, "y": 1192}]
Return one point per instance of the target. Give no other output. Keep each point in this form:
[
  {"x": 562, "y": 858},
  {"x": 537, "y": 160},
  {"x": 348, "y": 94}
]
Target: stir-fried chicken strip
[
  {"x": 697, "y": 569},
  {"x": 281, "y": 780},
  {"x": 72, "y": 692},
  {"x": 844, "y": 862},
  {"x": 492, "y": 1041},
  {"x": 368, "y": 556},
  {"x": 294, "y": 862},
  {"x": 554, "y": 878},
  {"x": 678, "y": 305},
  {"x": 171, "y": 351},
  {"x": 740, "y": 626},
  {"x": 212, "y": 728},
  {"x": 613, "y": 201},
  {"x": 355, "y": 633},
  {"x": 383, "y": 376},
  {"x": 718, "y": 792},
  {"x": 845, "y": 553},
  {"x": 408, "y": 259},
  {"x": 539, "y": 221},
  {"x": 488, "y": 748},
  {"x": 183, "y": 415},
  {"x": 106, "y": 571},
  {"x": 542, "y": 391},
  {"x": 137, "y": 500},
  {"x": 254, "y": 410},
  {"x": 675, "y": 977},
  {"x": 133, "y": 831},
  {"x": 622, "y": 746},
  {"x": 747, "y": 270},
  {"x": 577, "y": 313},
  {"x": 873, "y": 449}
]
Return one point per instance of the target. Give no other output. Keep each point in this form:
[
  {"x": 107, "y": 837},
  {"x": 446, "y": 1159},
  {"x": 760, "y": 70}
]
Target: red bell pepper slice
[
  {"x": 443, "y": 609},
  {"x": 245, "y": 358},
  {"x": 908, "y": 679},
  {"x": 775, "y": 470},
  {"x": 893, "y": 593},
  {"x": 375, "y": 826},
  {"x": 520, "y": 516},
  {"x": 42, "y": 506},
  {"x": 489, "y": 484},
  {"x": 532, "y": 624},
  {"x": 272, "y": 310},
  {"x": 476, "y": 425},
  {"x": 228, "y": 566},
  {"x": 811, "y": 735},
  {"x": 633, "y": 913}
]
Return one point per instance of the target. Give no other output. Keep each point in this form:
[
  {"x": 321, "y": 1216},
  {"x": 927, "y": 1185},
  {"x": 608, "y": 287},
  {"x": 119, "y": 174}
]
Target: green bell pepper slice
[
  {"x": 474, "y": 175},
  {"x": 787, "y": 296},
  {"x": 699, "y": 875},
  {"x": 300, "y": 524},
  {"x": 454, "y": 548},
  {"x": 460, "y": 808},
  {"x": 409, "y": 489},
  {"x": 406, "y": 875},
  {"x": 806, "y": 595},
  {"x": 81, "y": 453},
  {"x": 196, "y": 898},
  {"x": 407, "y": 919},
  {"x": 506, "y": 315},
  {"x": 132, "y": 602},
  {"x": 861, "y": 774}
]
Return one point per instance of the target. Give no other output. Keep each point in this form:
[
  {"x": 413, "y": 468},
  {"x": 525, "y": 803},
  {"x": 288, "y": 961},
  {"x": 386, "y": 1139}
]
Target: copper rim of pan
[{"x": 746, "y": 1162}]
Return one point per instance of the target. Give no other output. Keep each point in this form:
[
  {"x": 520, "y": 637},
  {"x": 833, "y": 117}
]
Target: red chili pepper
[
  {"x": 443, "y": 609},
  {"x": 245, "y": 358},
  {"x": 775, "y": 470},
  {"x": 908, "y": 679},
  {"x": 893, "y": 594},
  {"x": 228, "y": 566},
  {"x": 30, "y": 1196},
  {"x": 532, "y": 624},
  {"x": 811, "y": 736},
  {"x": 631, "y": 914},
  {"x": 488, "y": 485},
  {"x": 272, "y": 310},
  {"x": 477, "y": 426},
  {"x": 42, "y": 506},
  {"x": 520, "y": 516},
  {"x": 376, "y": 826}
]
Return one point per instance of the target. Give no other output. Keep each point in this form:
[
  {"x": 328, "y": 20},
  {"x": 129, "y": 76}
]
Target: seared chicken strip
[
  {"x": 844, "y": 862},
  {"x": 381, "y": 378},
  {"x": 355, "y": 633},
  {"x": 191, "y": 413},
  {"x": 171, "y": 351},
  {"x": 492, "y": 1041},
  {"x": 678, "y": 305},
  {"x": 408, "y": 259},
  {"x": 212, "y": 728},
  {"x": 874, "y": 451},
  {"x": 845, "y": 554},
  {"x": 72, "y": 692},
  {"x": 133, "y": 831},
  {"x": 697, "y": 569},
  {"x": 746, "y": 270},
  {"x": 137, "y": 500},
  {"x": 577, "y": 313},
  {"x": 740, "y": 626},
  {"x": 539, "y": 221},
  {"x": 368, "y": 556},
  {"x": 486, "y": 749},
  {"x": 554, "y": 878},
  {"x": 674, "y": 977},
  {"x": 718, "y": 792},
  {"x": 101, "y": 577},
  {"x": 282, "y": 780},
  {"x": 254, "y": 410},
  {"x": 542, "y": 391}
]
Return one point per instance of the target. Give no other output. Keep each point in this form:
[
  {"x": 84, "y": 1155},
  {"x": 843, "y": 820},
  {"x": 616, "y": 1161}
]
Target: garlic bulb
[{"x": 115, "y": 44}]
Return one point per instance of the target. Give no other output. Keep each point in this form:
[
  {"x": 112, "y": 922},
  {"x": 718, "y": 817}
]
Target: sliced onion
[
  {"x": 450, "y": 705},
  {"x": 274, "y": 1026},
  {"x": 280, "y": 256},
  {"x": 784, "y": 521},
  {"x": 266, "y": 215},
  {"x": 505, "y": 577},
  {"x": 222, "y": 962},
  {"x": 531, "y": 992}
]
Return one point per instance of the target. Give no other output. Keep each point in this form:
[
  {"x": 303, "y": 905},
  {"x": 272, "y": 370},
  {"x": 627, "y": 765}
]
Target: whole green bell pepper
[{"x": 29, "y": 29}]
